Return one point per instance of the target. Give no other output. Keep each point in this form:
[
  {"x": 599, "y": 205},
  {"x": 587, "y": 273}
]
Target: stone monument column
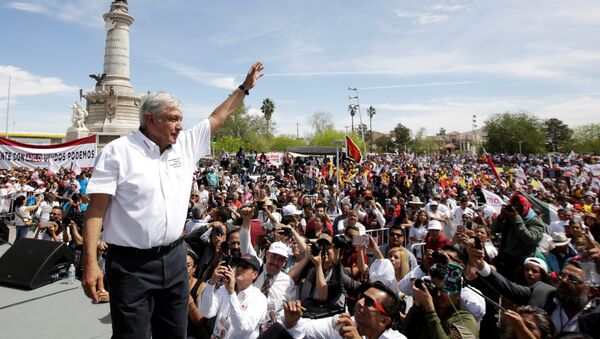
[{"x": 113, "y": 105}]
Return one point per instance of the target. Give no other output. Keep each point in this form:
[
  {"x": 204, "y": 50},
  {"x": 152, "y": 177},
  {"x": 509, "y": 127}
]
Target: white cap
[
  {"x": 433, "y": 203},
  {"x": 434, "y": 225},
  {"x": 278, "y": 248},
  {"x": 290, "y": 210}
]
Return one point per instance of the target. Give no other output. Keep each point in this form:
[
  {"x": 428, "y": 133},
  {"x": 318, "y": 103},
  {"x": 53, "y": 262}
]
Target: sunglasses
[
  {"x": 369, "y": 302},
  {"x": 572, "y": 279},
  {"x": 396, "y": 235}
]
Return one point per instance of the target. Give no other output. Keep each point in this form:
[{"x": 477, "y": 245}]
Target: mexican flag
[{"x": 548, "y": 211}]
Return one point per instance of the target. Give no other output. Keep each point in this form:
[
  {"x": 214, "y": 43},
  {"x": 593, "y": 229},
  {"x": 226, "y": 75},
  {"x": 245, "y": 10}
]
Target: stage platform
[{"x": 58, "y": 310}]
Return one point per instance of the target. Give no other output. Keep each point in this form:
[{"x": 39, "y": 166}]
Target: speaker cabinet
[{"x": 29, "y": 263}]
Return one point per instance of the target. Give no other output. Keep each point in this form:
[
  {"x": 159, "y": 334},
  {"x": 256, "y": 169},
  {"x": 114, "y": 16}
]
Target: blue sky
[{"x": 422, "y": 63}]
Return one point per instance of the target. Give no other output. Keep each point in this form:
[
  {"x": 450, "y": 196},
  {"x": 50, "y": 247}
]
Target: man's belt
[{"x": 157, "y": 250}]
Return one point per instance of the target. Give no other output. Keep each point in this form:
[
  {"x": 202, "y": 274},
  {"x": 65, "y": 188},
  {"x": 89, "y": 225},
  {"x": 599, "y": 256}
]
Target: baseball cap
[
  {"x": 290, "y": 210},
  {"x": 278, "y": 248},
  {"x": 434, "y": 225},
  {"x": 251, "y": 260}
]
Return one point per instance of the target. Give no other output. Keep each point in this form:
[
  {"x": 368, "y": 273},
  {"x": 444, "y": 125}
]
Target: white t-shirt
[{"x": 150, "y": 191}]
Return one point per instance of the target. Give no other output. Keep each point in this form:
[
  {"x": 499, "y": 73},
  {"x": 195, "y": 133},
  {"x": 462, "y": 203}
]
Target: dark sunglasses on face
[
  {"x": 369, "y": 302},
  {"x": 396, "y": 235}
]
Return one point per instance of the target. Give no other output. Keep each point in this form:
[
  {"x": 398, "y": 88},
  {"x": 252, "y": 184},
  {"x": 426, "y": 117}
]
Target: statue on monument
[
  {"x": 99, "y": 78},
  {"x": 78, "y": 117}
]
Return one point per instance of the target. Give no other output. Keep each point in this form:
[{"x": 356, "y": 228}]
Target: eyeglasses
[
  {"x": 369, "y": 302},
  {"x": 234, "y": 242},
  {"x": 572, "y": 279},
  {"x": 396, "y": 235}
]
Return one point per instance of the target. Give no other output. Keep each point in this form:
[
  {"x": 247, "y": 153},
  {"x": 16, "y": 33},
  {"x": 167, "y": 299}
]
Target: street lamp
[{"x": 362, "y": 132}]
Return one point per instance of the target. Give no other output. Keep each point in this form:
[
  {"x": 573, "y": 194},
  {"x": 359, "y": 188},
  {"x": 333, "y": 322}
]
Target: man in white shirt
[
  {"x": 139, "y": 196},
  {"x": 272, "y": 281},
  {"x": 376, "y": 310},
  {"x": 238, "y": 305},
  {"x": 558, "y": 226}
]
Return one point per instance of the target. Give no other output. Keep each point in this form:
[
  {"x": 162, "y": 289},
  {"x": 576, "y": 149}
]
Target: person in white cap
[
  {"x": 535, "y": 269},
  {"x": 435, "y": 240},
  {"x": 275, "y": 284}
]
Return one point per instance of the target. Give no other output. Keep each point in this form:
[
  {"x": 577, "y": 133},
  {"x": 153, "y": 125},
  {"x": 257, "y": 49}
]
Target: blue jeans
[{"x": 21, "y": 232}]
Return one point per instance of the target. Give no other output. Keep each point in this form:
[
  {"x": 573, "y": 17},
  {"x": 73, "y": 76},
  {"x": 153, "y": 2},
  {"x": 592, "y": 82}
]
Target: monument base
[{"x": 75, "y": 134}]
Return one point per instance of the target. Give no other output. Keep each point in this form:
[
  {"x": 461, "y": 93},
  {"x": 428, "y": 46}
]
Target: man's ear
[{"x": 386, "y": 321}]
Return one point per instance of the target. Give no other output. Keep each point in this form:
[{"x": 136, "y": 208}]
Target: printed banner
[
  {"x": 17, "y": 154},
  {"x": 493, "y": 200}
]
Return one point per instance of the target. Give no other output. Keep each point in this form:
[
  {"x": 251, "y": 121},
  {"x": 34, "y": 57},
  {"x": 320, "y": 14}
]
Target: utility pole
[{"x": 297, "y": 131}]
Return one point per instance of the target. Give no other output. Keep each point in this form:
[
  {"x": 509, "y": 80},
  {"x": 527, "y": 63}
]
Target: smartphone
[
  {"x": 360, "y": 240},
  {"x": 453, "y": 281},
  {"x": 478, "y": 244}
]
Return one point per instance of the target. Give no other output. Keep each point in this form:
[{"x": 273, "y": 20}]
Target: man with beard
[{"x": 567, "y": 304}]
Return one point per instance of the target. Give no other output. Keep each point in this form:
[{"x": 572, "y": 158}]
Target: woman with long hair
[
  {"x": 418, "y": 230},
  {"x": 23, "y": 215},
  {"x": 399, "y": 258}
]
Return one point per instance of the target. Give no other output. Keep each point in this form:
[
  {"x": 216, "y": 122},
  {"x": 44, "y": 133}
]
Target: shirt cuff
[{"x": 485, "y": 271}]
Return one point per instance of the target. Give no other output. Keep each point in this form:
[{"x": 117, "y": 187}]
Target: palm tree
[
  {"x": 352, "y": 109},
  {"x": 371, "y": 112},
  {"x": 268, "y": 107}
]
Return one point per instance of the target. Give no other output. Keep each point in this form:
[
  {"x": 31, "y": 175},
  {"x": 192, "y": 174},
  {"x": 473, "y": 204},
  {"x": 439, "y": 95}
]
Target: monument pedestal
[{"x": 73, "y": 134}]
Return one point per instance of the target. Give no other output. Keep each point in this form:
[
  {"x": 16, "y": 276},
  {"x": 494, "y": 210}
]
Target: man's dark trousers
[{"x": 148, "y": 292}]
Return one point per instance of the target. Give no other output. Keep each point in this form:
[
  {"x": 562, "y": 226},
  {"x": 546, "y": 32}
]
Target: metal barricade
[{"x": 379, "y": 234}]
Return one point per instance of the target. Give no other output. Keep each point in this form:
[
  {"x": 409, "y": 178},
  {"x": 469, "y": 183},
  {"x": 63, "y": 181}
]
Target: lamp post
[{"x": 362, "y": 132}]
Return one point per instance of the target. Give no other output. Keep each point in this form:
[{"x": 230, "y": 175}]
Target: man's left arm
[{"x": 228, "y": 107}]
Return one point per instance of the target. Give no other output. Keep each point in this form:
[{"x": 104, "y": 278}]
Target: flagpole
[{"x": 7, "y": 108}]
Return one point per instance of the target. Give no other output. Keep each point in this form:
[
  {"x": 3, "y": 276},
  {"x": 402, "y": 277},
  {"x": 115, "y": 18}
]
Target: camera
[
  {"x": 260, "y": 205},
  {"x": 217, "y": 231},
  {"x": 315, "y": 249},
  {"x": 425, "y": 283},
  {"x": 286, "y": 232},
  {"x": 478, "y": 244},
  {"x": 342, "y": 241}
]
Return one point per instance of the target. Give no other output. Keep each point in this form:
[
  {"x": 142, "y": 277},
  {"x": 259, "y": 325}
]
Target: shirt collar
[{"x": 148, "y": 144}]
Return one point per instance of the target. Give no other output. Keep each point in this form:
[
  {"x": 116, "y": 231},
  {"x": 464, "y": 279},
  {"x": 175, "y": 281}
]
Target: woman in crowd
[
  {"x": 534, "y": 270},
  {"x": 196, "y": 321},
  {"x": 418, "y": 230},
  {"x": 484, "y": 235},
  {"x": 528, "y": 322},
  {"x": 23, "y": 216}
]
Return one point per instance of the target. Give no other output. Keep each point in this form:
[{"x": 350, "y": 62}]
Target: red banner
[{"x": 352, "y": 150}]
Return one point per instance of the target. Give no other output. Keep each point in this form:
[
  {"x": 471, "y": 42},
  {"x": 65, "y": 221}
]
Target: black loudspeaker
[
  {"x": 29, "y": 263},
  {"x": 3, "y": 232}
]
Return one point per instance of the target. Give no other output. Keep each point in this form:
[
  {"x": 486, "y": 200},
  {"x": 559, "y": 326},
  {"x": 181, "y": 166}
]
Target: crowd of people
[{"x": 396, "y": 246}]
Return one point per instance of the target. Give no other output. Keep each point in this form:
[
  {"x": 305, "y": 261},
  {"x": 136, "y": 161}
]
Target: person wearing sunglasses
[
  {"x": 568, "y": 304},
  {"x": 375, "y": 312},
  {"x": 396, "y": 238}
]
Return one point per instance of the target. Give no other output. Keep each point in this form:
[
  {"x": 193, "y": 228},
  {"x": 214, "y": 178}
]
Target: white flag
[
  {"x": 53, "y": 166},
  {"x": 75, "y": 168},
  {"x": 493, "y": 200},
  {"x": 521, "y": 174}
]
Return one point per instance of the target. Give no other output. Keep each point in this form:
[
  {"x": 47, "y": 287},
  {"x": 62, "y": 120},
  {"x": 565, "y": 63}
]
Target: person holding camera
[
  {"x": 315, "y": 274},
  {"x": 238, "y": 305},
  {"x": 437, "y": 310},
  {"x": 272, "y": 281},
  {"x": 23, "y": 216},
  {"x": 375, "y": 315},
  {"x": 521, "y": 231}
]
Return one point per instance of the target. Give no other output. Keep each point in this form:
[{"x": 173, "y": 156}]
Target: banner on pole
[{"x": 16, "y": 154}]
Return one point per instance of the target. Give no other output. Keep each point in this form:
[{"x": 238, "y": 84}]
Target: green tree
[
  {"x": 331, "y": 137},
  {"x": 558, "y": 134},
  {"x": 352, "y": 110},
  {"x": 268, "y": 107},
  {"x": 509, "y": 132},
  {"x": 385, "y": 144},
  {"x": 281, "y": 142},
  {"x": 442, "y": 132},
  {"x": 422, "y": 144},
  {"x": 586, "y": 139},
  {"x": 320, "y": 121},
  {"x": 401, "y": 136},
  {"x": 362, "y": 128}
]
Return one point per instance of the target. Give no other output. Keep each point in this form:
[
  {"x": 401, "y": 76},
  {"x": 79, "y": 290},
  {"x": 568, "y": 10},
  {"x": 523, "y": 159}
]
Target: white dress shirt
[
  {"x": 239, "y": 313},
  {"x": 324, "y": 329},
  {"x": 150, "y": 191}
]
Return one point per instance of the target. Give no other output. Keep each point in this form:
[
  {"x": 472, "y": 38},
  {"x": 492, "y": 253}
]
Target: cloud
[
  {"x": 416, "y": 85},
  {"x": 431, "y": 14},
  {"x": 23, "y": 83},
  {"x": 27, "y": 7},
  {"x": 84, "y": 12}
]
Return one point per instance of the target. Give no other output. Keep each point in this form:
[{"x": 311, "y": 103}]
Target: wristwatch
[{"x": 243, "y": 89}]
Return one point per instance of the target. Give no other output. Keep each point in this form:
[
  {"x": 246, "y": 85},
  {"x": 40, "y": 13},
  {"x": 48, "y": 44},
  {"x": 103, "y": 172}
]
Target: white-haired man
[{"x": 139, "y": 196}]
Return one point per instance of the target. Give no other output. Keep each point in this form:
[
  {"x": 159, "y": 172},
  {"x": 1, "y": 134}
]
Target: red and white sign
[
  {"x": 17, "y": 154},
  {"x": 493, "y": 200}
]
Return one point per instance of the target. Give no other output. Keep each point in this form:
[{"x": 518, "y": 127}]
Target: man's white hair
[{"x": 156, "y": 103}]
